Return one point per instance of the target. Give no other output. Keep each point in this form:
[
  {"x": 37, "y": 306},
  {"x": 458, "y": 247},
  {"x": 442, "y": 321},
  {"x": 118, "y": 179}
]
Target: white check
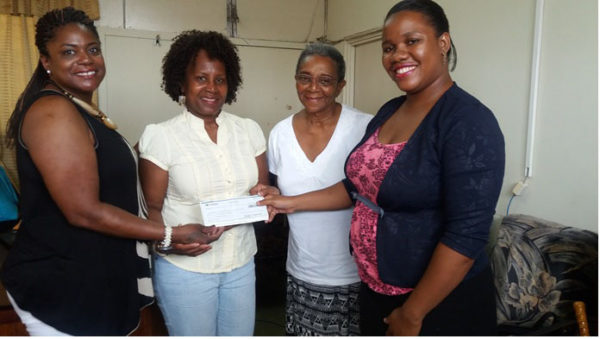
[{"x": 233, "y": 211}]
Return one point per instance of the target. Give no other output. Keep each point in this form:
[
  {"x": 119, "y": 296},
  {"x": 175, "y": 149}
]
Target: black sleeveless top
[{"x": 78, "y": 281}]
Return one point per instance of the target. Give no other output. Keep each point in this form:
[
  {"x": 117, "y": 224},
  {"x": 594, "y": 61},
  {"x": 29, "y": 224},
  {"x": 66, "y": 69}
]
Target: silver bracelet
[{"x": 165, "y": 245}]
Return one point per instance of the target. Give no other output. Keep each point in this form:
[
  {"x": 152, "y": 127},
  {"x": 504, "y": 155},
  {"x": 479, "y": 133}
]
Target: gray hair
[{"x": 326, "y": 50}]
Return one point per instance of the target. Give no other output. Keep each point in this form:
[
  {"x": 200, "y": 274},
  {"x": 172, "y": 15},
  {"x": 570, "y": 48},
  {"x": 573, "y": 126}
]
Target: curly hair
[
  {"x": 45, "y": 30},
  {"x": 183, "y": 52}
]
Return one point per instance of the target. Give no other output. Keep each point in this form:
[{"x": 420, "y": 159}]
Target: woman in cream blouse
[{"x": 200, "y": 155}]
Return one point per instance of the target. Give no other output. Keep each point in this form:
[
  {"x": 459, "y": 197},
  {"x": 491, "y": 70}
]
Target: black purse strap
[{"x": 373, "y": 206}]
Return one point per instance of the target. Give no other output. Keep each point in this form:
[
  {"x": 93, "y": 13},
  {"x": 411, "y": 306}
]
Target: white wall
[
  {"x": 131, "y": 95},
  {"x": 271, "y": 34},
  {"x": 565, "y": 179},
  {"x": 347, "y": 17},
  {"x": 279, "y": 20},
  {"x": 494, "y": 42},
  {"x": 371, "y": 82}
]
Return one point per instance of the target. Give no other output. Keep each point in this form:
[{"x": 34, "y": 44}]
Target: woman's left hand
[
  {"x": 399, "y": 324},
  {"x": 191, "y": 250},
  {"x": 264, "y": 190},
  {"x": 215, "y": 231}
]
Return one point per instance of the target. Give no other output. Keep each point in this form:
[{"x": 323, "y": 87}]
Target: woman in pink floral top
[
  {"x": 370, "y": 163},
  {"x": 424, "y": 181}
]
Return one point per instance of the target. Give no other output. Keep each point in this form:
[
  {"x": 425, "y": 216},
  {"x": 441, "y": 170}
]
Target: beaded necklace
[{"x": 91, "y": 110}]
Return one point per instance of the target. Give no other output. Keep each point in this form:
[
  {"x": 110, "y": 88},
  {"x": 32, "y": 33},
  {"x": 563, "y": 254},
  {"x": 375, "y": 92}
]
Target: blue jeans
[{"x": 206, "y": 304}]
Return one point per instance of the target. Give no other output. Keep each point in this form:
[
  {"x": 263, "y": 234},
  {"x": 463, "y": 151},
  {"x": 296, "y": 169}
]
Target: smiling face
[
  {"x": 413, "y": 53},
  {"x": 75, "y": 60},
  {"x": 317, "y": 84},
  {"x": 205, "y": 86}
]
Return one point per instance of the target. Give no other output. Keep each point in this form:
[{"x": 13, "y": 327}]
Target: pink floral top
[{"x": 366, "y": 168}]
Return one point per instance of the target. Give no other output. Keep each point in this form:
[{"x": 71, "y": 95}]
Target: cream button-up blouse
[{"x": 200, "y": 170}]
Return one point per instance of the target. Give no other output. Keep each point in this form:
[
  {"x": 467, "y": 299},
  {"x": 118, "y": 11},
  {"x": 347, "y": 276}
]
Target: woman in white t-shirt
[
  {"x": 307, "y": 152},
  {"x": 203, "y": 154}
]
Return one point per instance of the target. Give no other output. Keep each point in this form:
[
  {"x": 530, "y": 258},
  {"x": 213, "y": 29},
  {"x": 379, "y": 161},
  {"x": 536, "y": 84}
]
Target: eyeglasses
[{"x": 322, "y": 81}]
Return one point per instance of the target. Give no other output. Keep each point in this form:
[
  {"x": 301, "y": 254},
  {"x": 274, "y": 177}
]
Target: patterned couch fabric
[{"x": 540, "y": 268}]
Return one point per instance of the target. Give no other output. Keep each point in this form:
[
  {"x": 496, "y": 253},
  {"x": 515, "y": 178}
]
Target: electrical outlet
[{"x": 519, "y": 187}]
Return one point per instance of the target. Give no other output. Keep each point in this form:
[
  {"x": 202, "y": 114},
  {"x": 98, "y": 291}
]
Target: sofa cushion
[{"x": 540, "y": 268}]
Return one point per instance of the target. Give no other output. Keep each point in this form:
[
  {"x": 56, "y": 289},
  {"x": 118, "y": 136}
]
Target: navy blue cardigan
[{"x": 442, "y": 187}]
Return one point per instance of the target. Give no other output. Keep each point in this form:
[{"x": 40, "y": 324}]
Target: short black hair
[
  {"x": 436, "y": 16},
  {"x": 326, "y": 50},
  {"x": 184, "y": 50}
]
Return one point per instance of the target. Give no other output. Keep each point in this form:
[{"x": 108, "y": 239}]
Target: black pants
[{"x": 469, "y": 310}]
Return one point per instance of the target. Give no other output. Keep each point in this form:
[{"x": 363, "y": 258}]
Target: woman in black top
[{"x": 75, "y": 267}]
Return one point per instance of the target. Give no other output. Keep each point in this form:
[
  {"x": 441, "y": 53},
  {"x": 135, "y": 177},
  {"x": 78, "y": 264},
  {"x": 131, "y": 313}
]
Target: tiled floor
[
  {"x": 270, "y": 297},
  {"x": 270, "y": 278},
  {"x": 270, "y": 320}
]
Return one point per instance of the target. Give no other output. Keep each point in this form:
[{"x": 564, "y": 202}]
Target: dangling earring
[
  {"x": 444, "y": 58},
  {"x": 181, "y": 100}
]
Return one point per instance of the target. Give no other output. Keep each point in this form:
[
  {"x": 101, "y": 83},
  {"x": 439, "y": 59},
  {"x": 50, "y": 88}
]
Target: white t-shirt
[
  {"x": 200, "y": 170},
  {"x": 318, "y": 245}
]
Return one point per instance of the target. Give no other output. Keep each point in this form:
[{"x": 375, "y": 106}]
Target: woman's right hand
[
  {"x": 277, "y": 204},
  {"x": 268, "y": 191},
  {"x": 194, "y": 239},
  {"x": 192, "y": 250},
  {"x": 331, "y": 198},
  {"x": 194, "y": 233}
]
